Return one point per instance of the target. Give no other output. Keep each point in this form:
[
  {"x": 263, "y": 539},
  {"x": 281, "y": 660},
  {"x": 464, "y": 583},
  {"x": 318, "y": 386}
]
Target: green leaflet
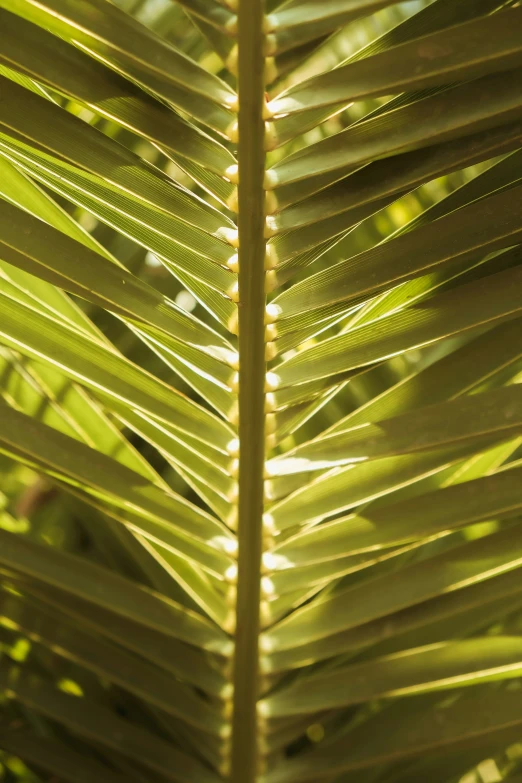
[
  {"x": 260, "y": 363},
  {"x": 450, "y": 114},
  {"x": 444, "y": 665},
  {"x": 167, "y": 518},
  {"x": 288, "y": 246},
  {"x": 489, "y": 359},
  {"x": 69, "y": 71},
  {"x": 466, "y": 51},
  {"x": 389, "y": 178},
  {"x": 493, "y": 414},
  {"x": 103, "y": 726},
  {"x": 490, "y": 497},
  {"x": 157, "y": 232},
  {"x": 212, "y": 13},
  {"x": 18, "y": 189},
  {"x": 110, "y": 591},
  {"x": 129, "y": 48},
  {"x": 398, "y": 25},
  {"x": 413, "y": 620},
  {"x": 40, "y": 390},
  {"x": 454, "y": 569},
  {"x": 110, "y": 662},
  {"x": 479, "y": 303},
  {"x": 80, "y": 357},
  {"x": 484, "y": 714},
  {"x": 482, "y": 227},
  {"x": 76, "y": 413},
  {"x": 101, "y": 166},
  {"x": 45, "y": 252},
  {"x": 181, "y": 660},
  {"x": 341, "y": 488},
  {"x": 57, "y": 758},
  {"x": 298, "y": 21},
  {"x": 310, "y": 572}
]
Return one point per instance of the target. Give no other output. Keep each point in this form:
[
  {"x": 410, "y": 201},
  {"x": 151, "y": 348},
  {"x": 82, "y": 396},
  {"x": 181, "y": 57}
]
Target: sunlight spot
[
  {"x": 263, "y": 710},
  {"x": 265, "y": 645},
  {"x": 232, "y": 173},
  {"x": 186, "y": 301},
  {"x": 270, "y": 180},
  {"x": 231, "y": 520},
  {"x": 152, "y": 261},
  {"x": 227, "y": 691},
  {"x": 489, "y": 772},
  {"x": 273, "y": 562},
  {"x": 267, "y": 586},
  {"x": 233, "y": 322},
  {"x": 232, "y": 101},
  {"x": 230, "y": 235},
  {"x": 271, "y": 259},
  {"x": 270, "y": 401},
  {"x": 272, "y": 381},
  {"x": 268, "y": 491},
  {"x": 315, "y": 732},
  {"x": 271, "y": 281},
  {"x": 20, "y": 649},
  {"x": 272, "y": 312},
  {"x": 230, "y": 622},
  {"x": 286, "y": 466},
  {"x": 233, "y": 292},
  {"x": 233, "y": 133},
  {"x": 69, "y": 686},
  {"x": 21, "y": 525},
  {"x": 228, "y": 545},
  {"x": 233, "y": 263},
  {"x": 233, "y": 447},
  {"x": 87, "y": 221},
  {"x": 231, "y": 573},
  {"x": 234, "y": 383},
  {"x": 270, "y": 351}
]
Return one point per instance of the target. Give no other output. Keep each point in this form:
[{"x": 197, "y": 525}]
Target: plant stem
[{"x": 251, "y": 314}]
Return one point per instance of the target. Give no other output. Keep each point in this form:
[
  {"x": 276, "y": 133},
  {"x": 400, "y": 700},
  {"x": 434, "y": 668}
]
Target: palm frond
[{"x": 260, "y": 415}]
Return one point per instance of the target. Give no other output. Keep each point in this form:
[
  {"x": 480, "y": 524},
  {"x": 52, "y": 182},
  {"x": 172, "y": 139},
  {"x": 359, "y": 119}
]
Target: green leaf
[
  {"x": 260, "y": 361},
  {"x": 482, "y": 227},
  {"x": 454, "y": 569},
  {"x": 388, "y": 179},
  {"x": 101, "y": 725},
  {"x": 491, "y": 497},
  {"x": 495, "y": 414},
  {"x": 57, "y": 758},
  {"x": 395, "y": 26},
  {"x": 450, "y": 114},
  {"x": 129, "y": 48},
  {"x": 165, "y": 517},
  {"x": 65, "y": 147},
  {"x": 69, "y": 71},
  {"x": 113, "y": 664},
  {"x": 467, "y": 51},
  {"x": 103, "y": 588},
  {"x": 302, "y": 20},
  {"x": 451, "y": 606},
  {"x": 183, "y": 661},
  {"x": 439, "y": 666},
  {"x": 481, "y": 303},
  {"x": 97, "y": 367},
  {"x": 41, "y": 250},
  {"x": 481, "y": 715}
]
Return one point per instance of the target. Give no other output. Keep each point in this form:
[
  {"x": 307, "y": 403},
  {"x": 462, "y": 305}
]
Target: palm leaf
[{"x": 260, "y": 408}]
